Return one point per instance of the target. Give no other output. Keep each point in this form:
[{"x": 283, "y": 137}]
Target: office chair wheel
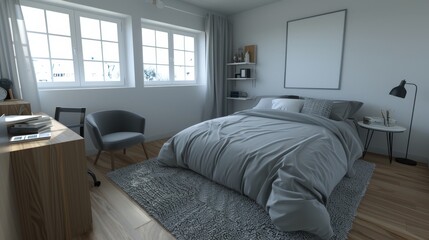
[
  {"x": 97, "y": 183},
  {"x": 94, "y": 178}
]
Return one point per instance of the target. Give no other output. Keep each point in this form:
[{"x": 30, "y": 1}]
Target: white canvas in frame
[{"x": 314, "y": 51}]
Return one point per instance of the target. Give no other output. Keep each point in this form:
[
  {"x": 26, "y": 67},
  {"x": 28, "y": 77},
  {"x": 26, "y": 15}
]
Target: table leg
[
  {"x": 369, "y": 135},
  {"x": 389, "y": 137}
]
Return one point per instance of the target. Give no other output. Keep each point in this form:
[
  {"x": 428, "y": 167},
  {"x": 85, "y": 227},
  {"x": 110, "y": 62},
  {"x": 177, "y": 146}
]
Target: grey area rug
[{"x": 193, "y": 207}]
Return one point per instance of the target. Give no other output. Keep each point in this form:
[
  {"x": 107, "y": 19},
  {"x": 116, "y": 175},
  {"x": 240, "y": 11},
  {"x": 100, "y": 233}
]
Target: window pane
[
  {"x": 62, "y": 71},
  {"x": 189, "y": 59},
  {"x": 58, "y": 23},
  {"x": 60, "y": 47},
  {"x": 161, "y": 39},
  {"x": 161, "y": 63},
  {"x": 91, "y": 50},
  {"x": 161, "y": 56},
  {"x": 42, "y": 67},
  {"x": 179, "y": 42},
  {"x": 149, "y": 72},
  {"x": 148, "y": 37},
  {"x": 189, "y": 43},
  {"x": 179, "y": 58},
  {"x": 93, "y": 71},
  {"x": 34, "y": 19},
  {"x": 111, "y": 71},
  {"x": 149, "y": 55},
  {"x": 179, "y": 73},
  {"x": 38, "y": 45},
  {"x": 110, "y": 51},
  {"x": 90, "y": 28},
  {"x": 190, "y": 74},
  {"x": 109, "y": 31},
  {"x": 163, "y": 73}
]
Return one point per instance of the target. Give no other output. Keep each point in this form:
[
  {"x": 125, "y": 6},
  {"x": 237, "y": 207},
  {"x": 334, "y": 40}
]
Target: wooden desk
[
  {"x": 51, "y": 186},
  {"x": 15, "y": 107}
]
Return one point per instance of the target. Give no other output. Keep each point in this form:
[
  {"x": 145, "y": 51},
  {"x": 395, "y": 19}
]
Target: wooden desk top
[{"x": 60, "y": 134}]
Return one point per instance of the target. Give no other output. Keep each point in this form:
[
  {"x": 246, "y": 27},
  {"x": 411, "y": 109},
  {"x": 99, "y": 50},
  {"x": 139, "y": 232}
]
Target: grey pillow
[
  {"x": 319, "y": 107},
  {"x": 342, "y": 109}
]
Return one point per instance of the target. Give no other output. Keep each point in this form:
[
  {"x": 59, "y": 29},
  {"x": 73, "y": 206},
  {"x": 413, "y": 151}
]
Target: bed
[{"x": 287, "y": 155}]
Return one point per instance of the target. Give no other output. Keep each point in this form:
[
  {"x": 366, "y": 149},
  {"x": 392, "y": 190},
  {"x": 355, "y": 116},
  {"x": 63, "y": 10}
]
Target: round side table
[{"x": 371, "y": 128}]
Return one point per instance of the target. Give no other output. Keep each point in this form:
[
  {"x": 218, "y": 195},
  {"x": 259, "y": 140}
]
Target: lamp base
[{"x": 406, "y": 161}]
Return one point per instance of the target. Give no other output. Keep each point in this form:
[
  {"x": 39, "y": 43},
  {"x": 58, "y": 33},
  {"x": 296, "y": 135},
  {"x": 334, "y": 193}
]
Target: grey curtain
[
  {"x": 20, "y": 69},
  {"x": 218, "y": 53}
]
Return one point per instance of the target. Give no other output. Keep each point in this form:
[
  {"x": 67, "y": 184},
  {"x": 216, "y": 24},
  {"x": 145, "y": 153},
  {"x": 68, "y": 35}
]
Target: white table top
[{"x": 382, "y": 128}]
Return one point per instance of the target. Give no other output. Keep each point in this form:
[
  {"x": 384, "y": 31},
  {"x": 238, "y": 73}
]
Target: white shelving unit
[{"x": 235, "y": 68}]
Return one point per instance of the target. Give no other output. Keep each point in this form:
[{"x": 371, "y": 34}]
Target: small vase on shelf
[{"x": 247, "y": 57}]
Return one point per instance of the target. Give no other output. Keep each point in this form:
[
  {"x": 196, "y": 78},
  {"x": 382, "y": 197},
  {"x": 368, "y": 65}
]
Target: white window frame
[
  {"x": 76, "y": 39},
  {"x": 170, "y": 29}
]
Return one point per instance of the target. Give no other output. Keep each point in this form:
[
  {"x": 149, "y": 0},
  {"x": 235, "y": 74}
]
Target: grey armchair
[{"x": 115, "y": 130}]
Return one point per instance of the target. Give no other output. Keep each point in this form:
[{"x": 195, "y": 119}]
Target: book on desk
[
  {"x": 28, "y": 127},
  {"x": 12, "y": 119},
  {"x": 30, "y": 137}
]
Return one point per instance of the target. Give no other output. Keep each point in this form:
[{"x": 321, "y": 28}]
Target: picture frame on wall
[
  {"x": 252, "y": 52},
  {"x": 314, "y": 51}
]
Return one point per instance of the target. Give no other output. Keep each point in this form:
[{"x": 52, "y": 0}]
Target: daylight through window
[
  {"x": 73, "y": 49},
  {"x": 169, "y": 56}
]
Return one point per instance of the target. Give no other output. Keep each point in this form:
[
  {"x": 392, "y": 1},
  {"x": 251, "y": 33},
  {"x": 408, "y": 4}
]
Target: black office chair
[{"x": 80, "y": 125}]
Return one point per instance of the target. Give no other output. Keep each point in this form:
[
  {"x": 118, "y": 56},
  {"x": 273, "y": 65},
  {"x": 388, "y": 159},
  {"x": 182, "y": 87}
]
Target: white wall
[
  {"x": 386, "y": 41},
  {"x": 167, "y": 109}
]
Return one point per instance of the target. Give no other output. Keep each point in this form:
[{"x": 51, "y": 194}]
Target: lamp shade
[{"x": 400, "y": 90}]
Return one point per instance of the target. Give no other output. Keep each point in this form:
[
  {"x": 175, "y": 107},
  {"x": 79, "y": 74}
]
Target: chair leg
[
  {"x": 96, "y": 158},
  {"x": 112, "y": 160},
  {"x": 94, "y": 178},
  {"x": 144, "y": 149}
]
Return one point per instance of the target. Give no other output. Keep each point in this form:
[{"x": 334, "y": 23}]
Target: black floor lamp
[{"x": 401, "y": 92}]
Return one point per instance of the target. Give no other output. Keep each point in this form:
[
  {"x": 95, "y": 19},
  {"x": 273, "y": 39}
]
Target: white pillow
[
  {"x": 290, "y": 105},
  {"x": 264, "y": 103}
]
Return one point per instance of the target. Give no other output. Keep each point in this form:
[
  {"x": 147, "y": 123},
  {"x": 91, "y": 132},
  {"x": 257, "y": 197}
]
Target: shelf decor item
[
  {"x": 401, "y": 92},
  {"x": 247, "y": 57},
  {"x": 7, "y": 85},
  {"x": 245, "y": 72},
  {"x": 240, "y": 55},
  {"x": 251, "y": 49}
]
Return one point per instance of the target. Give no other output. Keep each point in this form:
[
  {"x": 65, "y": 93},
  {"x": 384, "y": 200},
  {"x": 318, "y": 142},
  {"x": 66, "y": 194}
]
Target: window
[
  {"x": 169, "y": 56},
  {"x": 100, "y": 50},
  {"x": 74, "y": 49}
]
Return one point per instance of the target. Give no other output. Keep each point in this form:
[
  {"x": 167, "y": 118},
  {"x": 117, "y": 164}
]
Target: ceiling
[{"x": 228, "y": 7}]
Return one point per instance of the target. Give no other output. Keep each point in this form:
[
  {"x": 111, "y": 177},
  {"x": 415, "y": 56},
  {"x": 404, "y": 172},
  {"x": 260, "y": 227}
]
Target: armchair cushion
[{"x": 120, "y": 140}]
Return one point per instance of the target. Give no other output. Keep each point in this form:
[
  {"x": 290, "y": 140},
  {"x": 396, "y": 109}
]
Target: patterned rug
[{"x": 193, "y": 207}]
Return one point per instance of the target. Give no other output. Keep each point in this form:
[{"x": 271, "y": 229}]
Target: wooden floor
[{"x": 395, "y": 206}]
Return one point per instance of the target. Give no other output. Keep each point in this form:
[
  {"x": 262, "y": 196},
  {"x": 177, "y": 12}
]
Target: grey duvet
[{"x": 289, "y": 163}]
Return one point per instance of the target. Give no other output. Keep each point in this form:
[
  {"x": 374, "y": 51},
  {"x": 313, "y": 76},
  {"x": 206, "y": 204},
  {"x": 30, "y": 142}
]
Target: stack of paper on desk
[{"x": 28, "y": 124}]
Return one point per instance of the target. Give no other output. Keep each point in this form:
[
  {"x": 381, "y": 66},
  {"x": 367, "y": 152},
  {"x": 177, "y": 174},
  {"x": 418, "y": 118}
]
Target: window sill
[
  {"x": 172, "y": 85},
  {"x": 82, "y": 88}
]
